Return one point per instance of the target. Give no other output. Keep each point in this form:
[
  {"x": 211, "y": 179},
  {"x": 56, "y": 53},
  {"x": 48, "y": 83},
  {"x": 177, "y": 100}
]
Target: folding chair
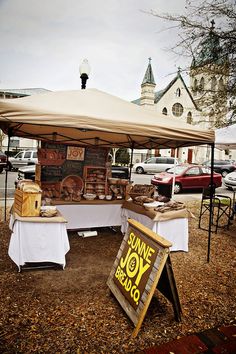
[{"x": 221, "y": 209}]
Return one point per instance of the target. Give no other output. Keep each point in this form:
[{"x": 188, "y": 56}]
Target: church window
[
  {"x": 221, "y": 84},
  {"x": 189, "y": 118},
  {"x": 164, "y": 111},
  {"x": 195, "y": 86},
  {"x": 178, "y": 92},
  {"x": 211, "y": 116},
  {"x": 202, "y": 84},
  {"x": 213, "y": 83},
  {"x": 177, "y": 109}
]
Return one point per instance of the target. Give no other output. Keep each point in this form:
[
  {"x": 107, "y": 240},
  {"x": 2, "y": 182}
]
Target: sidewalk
[{"x": 220, "y": 340}]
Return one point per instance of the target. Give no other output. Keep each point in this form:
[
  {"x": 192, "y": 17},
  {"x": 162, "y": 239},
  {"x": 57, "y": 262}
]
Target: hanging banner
[{"x": 75, "y": 153}]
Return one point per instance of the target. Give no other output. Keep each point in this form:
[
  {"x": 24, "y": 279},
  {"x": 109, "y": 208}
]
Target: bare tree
[{"x": 214, "y": 20}]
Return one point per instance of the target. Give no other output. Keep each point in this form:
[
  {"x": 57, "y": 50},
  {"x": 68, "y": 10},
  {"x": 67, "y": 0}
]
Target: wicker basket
[{"x": 141, "y": 189}]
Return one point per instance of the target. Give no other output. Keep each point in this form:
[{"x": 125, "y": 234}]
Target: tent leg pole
[
  {"x": 6, "y": 178},
  {"x": 131, "y": 162},
  {"x": 173, "y": 182},
  {"x": 211, "y": 206}
]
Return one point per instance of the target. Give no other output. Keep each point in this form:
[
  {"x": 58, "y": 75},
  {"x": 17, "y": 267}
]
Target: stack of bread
[{"x": 28, "y": 186}]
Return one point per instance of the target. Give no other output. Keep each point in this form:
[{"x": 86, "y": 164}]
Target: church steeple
[
  {"x": 147, "y": 87},
  {"x": 209, "y": 51},
  {"x": 209, "y": 75},
  {"x": 149, "y": 77}
]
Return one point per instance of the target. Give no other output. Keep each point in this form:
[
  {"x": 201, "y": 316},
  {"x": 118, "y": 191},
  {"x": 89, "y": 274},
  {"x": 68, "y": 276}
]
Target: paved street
[
  {"x": 137, "y": 179},
  {"x": 11, "y": 188}
]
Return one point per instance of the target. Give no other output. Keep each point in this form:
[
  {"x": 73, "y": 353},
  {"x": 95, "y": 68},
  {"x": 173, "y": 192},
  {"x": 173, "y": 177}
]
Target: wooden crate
[{"x": 27, "y": 204}]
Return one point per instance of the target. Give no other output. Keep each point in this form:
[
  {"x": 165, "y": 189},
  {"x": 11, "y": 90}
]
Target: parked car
[
  {"x": 187, "y": 177},
  {"x": 222, "y": 166},
  {"x": 155, "y": 164},
  {"x": 230, "y": 180},
  {"x": 120, "y": 171},
  {"x": 23, "y": 158},
  {"x": 3, "y": 161}
]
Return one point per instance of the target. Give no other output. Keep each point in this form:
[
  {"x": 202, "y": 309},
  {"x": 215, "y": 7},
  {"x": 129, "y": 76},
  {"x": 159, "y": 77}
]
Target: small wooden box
[{"x": 27, "y": 204}]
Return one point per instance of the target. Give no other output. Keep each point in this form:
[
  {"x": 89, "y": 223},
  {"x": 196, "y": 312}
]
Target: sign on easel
[{"x": 142, "y": 265}]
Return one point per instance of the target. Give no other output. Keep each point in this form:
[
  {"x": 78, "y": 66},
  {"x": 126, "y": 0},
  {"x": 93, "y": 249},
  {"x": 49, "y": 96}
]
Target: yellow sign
[
  {"x": 135, "y": 266},
  {"x": 138, "y": 271}
]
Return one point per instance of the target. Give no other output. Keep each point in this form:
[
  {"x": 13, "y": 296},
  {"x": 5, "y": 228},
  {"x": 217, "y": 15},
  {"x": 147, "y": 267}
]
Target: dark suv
[
  {"x": 222, "y": 166},
  {"x": 3, "y": 161}
]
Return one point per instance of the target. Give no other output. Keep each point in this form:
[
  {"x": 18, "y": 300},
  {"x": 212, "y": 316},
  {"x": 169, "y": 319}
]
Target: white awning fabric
[
  {"x": 92, "y": 117},
  {"x": 226, "y": 137}
]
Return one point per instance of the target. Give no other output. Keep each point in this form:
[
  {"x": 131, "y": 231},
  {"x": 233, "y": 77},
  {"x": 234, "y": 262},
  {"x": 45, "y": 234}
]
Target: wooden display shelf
[{"x": 94, "y": 171}]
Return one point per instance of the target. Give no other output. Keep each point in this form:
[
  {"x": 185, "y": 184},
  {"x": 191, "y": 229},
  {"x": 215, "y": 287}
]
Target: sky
[{"x": 42, "y": 44}]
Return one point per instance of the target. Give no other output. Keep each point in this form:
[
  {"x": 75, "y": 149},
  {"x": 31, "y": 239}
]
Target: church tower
[
  {"x": 147, "y": 88},
  {"x": 209, "y": 74}
]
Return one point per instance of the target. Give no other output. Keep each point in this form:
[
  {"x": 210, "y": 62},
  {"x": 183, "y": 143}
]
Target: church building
[{"x": 202, "y": 104}]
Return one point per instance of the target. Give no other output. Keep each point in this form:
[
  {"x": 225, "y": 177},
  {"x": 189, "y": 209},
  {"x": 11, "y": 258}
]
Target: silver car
[
  {"x": 230, "y": 180},
  {"x": 23, "y": 158},
  {"x": 155, "y": 164}
]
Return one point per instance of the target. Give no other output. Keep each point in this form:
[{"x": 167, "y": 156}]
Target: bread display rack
[{"x": 95, "y": 180}]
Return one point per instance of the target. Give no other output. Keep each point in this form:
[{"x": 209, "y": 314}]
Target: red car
[{"x": 187, "y": 177}]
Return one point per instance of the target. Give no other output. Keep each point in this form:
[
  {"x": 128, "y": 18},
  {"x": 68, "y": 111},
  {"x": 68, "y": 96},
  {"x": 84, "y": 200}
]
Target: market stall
[
  {"x": 78, "y": 181},
  {"x": 91, "y": 118}
]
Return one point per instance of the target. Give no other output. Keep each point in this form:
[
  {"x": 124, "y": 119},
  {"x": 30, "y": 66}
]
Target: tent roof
[
  {"x": 226, "y": 137},
  {"x": 92, "y": 117}
]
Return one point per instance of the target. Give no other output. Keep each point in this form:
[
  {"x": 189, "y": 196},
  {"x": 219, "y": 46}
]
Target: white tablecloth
[
  {"x": 174, "y": 230},
  {"x": 84, "y": 216},
  {"x": 38, "y": 242}
]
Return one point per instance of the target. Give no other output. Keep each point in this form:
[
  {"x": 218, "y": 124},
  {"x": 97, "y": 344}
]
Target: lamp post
[{"x": 84, "y": 70}]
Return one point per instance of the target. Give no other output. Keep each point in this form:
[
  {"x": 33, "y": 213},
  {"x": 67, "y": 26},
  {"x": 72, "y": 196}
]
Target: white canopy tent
[
  {"x": 94, "y": 118},
  {"x": 226, "y": 137}
]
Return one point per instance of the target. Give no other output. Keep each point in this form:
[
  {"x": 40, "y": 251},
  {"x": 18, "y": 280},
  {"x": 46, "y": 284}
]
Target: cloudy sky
[{"x": 43, "y": 43}]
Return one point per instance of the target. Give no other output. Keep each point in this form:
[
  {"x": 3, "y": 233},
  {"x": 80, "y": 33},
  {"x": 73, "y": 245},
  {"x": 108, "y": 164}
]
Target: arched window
[
  {"x": 178, "y": 92},
  {"x": 221, "y": 84},
  {"x": 177, "y": 109},
  {"x": 211, "y": 116},
  {"x": 195, "y": 87},
  {"x": 189, "y": 118},
  {"x": 202, "y": 84},
  {"x": 164, "y": 111},
  {"x": 213, "y": 83}
]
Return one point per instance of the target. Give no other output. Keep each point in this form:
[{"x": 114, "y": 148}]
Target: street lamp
[{"x": 84, "y": 70}]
